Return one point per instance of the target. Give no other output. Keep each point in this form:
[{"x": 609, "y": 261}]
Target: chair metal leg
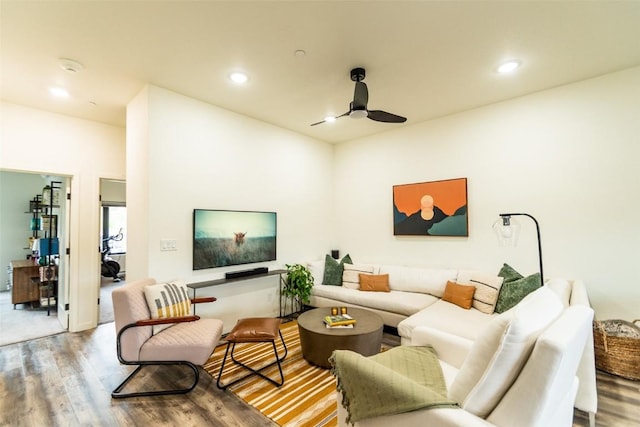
[
  {"x": 118, "y": 394},
  {"x": 252, "y": 370}
]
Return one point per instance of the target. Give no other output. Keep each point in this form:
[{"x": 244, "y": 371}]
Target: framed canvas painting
[{"x": 436, "y": 208}]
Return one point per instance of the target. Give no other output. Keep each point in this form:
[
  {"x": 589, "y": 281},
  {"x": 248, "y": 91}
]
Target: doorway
[
  {"x": 26, "y": 222},
  {"x": 113, "y": 247}
]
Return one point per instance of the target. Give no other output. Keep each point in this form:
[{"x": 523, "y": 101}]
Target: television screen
[{"x": 222, "y": 237}]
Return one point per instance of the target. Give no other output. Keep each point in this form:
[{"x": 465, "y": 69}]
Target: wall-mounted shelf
[{"x": 217, "y": 282}]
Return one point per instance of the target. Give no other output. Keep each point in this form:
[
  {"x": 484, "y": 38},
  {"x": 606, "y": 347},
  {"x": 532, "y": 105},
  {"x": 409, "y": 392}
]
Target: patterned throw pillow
[
  {"x": 167, "y": 300},
  {"x": 351, "y": 275},
  {"x": 513, "y": 292},
  {"x": 509, "y": 273},
  {"x": 333, "y": 270}
]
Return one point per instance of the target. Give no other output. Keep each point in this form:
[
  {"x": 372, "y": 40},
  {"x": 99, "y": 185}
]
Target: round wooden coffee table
[{"x": 318, "y": 341}]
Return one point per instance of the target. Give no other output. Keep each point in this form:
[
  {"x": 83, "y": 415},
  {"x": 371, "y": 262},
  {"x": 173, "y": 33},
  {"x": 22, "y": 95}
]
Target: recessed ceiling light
[
  {"x": 238, "y": 77},
  {"x": 330, "y": 119},
  {"x": 508, "y": 67},
  {"x": 59, "y": 92},
  {"x": 299, "y": 53}
]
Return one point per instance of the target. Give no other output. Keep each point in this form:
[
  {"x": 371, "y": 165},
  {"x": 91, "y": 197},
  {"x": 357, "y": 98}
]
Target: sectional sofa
[{"x": 413, "y": 301}]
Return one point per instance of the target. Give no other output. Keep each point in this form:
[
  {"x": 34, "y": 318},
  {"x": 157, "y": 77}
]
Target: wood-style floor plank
[{"x": 67, "y": 379}]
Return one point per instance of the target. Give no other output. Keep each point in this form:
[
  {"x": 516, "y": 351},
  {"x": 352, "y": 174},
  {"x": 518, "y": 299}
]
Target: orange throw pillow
[
  {"x": 374, "y": 282},
  {"x": 460, "y": 295}
]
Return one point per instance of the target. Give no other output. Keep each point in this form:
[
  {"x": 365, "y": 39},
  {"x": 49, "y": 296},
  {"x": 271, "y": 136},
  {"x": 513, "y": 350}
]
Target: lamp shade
[{"x": 507, "y": 230}]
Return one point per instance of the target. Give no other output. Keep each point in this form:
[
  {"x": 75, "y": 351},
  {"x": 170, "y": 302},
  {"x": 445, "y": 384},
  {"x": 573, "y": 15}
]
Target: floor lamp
[{"x": 507, "y": 231}]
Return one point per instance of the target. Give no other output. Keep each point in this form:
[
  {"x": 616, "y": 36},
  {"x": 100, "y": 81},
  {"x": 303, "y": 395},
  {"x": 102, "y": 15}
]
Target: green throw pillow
[
  {"x": 333, "y": 270},
  {"x": 509, "y": 273},
  {"x": 514, "y": 291}
]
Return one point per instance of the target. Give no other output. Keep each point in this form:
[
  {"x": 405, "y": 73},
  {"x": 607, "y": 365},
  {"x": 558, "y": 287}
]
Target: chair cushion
[
  {"x": 500, "y": 351},
  {"x": 255, "y": 329},
  {"x": 191, "y": 341},
  {"x": 167, "y": 300}
]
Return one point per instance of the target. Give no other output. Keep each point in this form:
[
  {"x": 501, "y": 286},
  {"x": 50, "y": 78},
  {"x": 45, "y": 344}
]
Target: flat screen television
[{"x": 223, "y": 237}]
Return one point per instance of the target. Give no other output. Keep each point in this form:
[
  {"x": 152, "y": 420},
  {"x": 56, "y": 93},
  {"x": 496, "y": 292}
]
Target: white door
[{"x": 63, "y": 266}]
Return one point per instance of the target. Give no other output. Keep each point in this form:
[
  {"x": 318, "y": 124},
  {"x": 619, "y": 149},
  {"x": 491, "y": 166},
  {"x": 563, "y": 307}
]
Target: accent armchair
[{"x": 160, "y": 337}]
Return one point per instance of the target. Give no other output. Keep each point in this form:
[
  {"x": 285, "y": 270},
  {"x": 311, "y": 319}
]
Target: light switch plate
[{"x": 168, "y": 245}]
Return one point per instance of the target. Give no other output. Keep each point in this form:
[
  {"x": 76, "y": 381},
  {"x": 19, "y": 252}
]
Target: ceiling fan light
[{"x": 358, "y": 114}]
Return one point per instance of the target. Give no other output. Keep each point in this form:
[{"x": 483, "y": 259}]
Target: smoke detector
[{"x": 70, "y": 65}]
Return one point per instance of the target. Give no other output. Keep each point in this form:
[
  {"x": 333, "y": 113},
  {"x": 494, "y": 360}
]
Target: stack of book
[{"x": 339, "y": 321}]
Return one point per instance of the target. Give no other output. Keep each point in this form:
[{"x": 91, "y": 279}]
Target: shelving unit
[{"x": 37, "y": 281}]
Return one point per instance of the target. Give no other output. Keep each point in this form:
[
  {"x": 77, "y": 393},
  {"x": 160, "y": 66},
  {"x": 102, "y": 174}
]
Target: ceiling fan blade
[
  {"x": 337, "y": 117},
  {"x": 383, "y": 116},
  {"x": 360, "y": 96}
]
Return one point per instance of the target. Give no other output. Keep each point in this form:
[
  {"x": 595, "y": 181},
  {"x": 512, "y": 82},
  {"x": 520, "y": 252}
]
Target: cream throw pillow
[
  {"x": 501, "y": 350},
  {"x": 350, "y": 275},
  {"x": 487, "y": 289},
  {"x": 167, "y": 300}
]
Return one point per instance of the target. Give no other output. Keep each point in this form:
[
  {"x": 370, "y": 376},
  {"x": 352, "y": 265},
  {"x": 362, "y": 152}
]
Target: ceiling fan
[{"x": 358, "y": 107}]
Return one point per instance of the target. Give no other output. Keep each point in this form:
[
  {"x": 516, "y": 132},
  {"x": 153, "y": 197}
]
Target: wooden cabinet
[{"x": 24, "y": 287}]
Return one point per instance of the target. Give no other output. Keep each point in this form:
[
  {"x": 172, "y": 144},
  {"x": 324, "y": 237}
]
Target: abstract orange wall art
[{"x": 436, "y": 208}]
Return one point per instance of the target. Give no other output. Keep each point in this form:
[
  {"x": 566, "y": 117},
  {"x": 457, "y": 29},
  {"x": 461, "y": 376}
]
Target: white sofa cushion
[
  {"x": 405, "y": 303},
  {"x": 416, "y": 279},
  {"x": 351, "y": 274},
  {"x": 487, "y": 289},
  {"x": 448, "y": 318},
  {"x": 500, "y": 351},
  {"x": 317, "y": 271}
]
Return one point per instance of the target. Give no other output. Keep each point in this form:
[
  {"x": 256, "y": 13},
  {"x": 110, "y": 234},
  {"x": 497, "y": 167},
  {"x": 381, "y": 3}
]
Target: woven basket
[{"x": 617, "y": 347}]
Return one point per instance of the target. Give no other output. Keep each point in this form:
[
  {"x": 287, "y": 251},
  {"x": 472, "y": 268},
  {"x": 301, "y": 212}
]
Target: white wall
[
  {"x": 37, "y": 141},
  {"x": 184, "y": 154},
  {"x": 569, "y": 156}
]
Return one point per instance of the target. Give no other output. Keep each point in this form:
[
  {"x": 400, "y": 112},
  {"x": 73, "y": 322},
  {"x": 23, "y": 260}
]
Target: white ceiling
[{"x": 423, "y": 59}]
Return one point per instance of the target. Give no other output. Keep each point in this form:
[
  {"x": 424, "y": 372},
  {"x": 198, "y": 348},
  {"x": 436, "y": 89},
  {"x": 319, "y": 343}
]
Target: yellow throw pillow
[
  {"x": 374, "y": 282},
  {"x": 460, "y": 295}
]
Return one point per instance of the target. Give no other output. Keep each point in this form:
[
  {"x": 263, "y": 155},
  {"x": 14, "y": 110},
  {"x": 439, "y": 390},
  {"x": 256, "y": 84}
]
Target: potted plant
[{"x": 297, "y": 286}]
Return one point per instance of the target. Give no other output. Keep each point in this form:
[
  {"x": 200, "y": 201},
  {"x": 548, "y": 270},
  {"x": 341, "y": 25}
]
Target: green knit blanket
[{"x": 399, "y": 380}]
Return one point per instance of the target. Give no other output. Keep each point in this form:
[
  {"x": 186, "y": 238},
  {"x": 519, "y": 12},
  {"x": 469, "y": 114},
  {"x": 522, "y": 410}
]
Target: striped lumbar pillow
[
  {"x": 487, "y": 289},
  {"x": 351, "y": 274},
  {"x": 167, "y": 300}
]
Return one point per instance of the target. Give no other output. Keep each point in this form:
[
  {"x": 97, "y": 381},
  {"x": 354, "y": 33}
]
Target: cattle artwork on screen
[{"x": 222, "y": 237}]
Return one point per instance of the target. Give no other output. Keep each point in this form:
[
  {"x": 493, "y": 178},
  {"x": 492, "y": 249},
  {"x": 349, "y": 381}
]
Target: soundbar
[{"x": 245, "y": 273}]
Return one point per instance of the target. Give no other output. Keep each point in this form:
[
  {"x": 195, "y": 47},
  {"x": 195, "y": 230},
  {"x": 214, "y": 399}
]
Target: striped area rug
[{"x": 308, "y": 396}]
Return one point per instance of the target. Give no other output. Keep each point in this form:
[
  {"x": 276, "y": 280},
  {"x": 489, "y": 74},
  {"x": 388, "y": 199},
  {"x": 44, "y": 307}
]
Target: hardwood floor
[{"x": 66, "y": 380}]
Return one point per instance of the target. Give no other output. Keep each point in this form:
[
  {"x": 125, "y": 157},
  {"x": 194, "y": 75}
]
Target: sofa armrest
[
  {"x": 587, "y": 398},
  {"x": 451, "y": 349},
  {"x": 579, "y": 295}
]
